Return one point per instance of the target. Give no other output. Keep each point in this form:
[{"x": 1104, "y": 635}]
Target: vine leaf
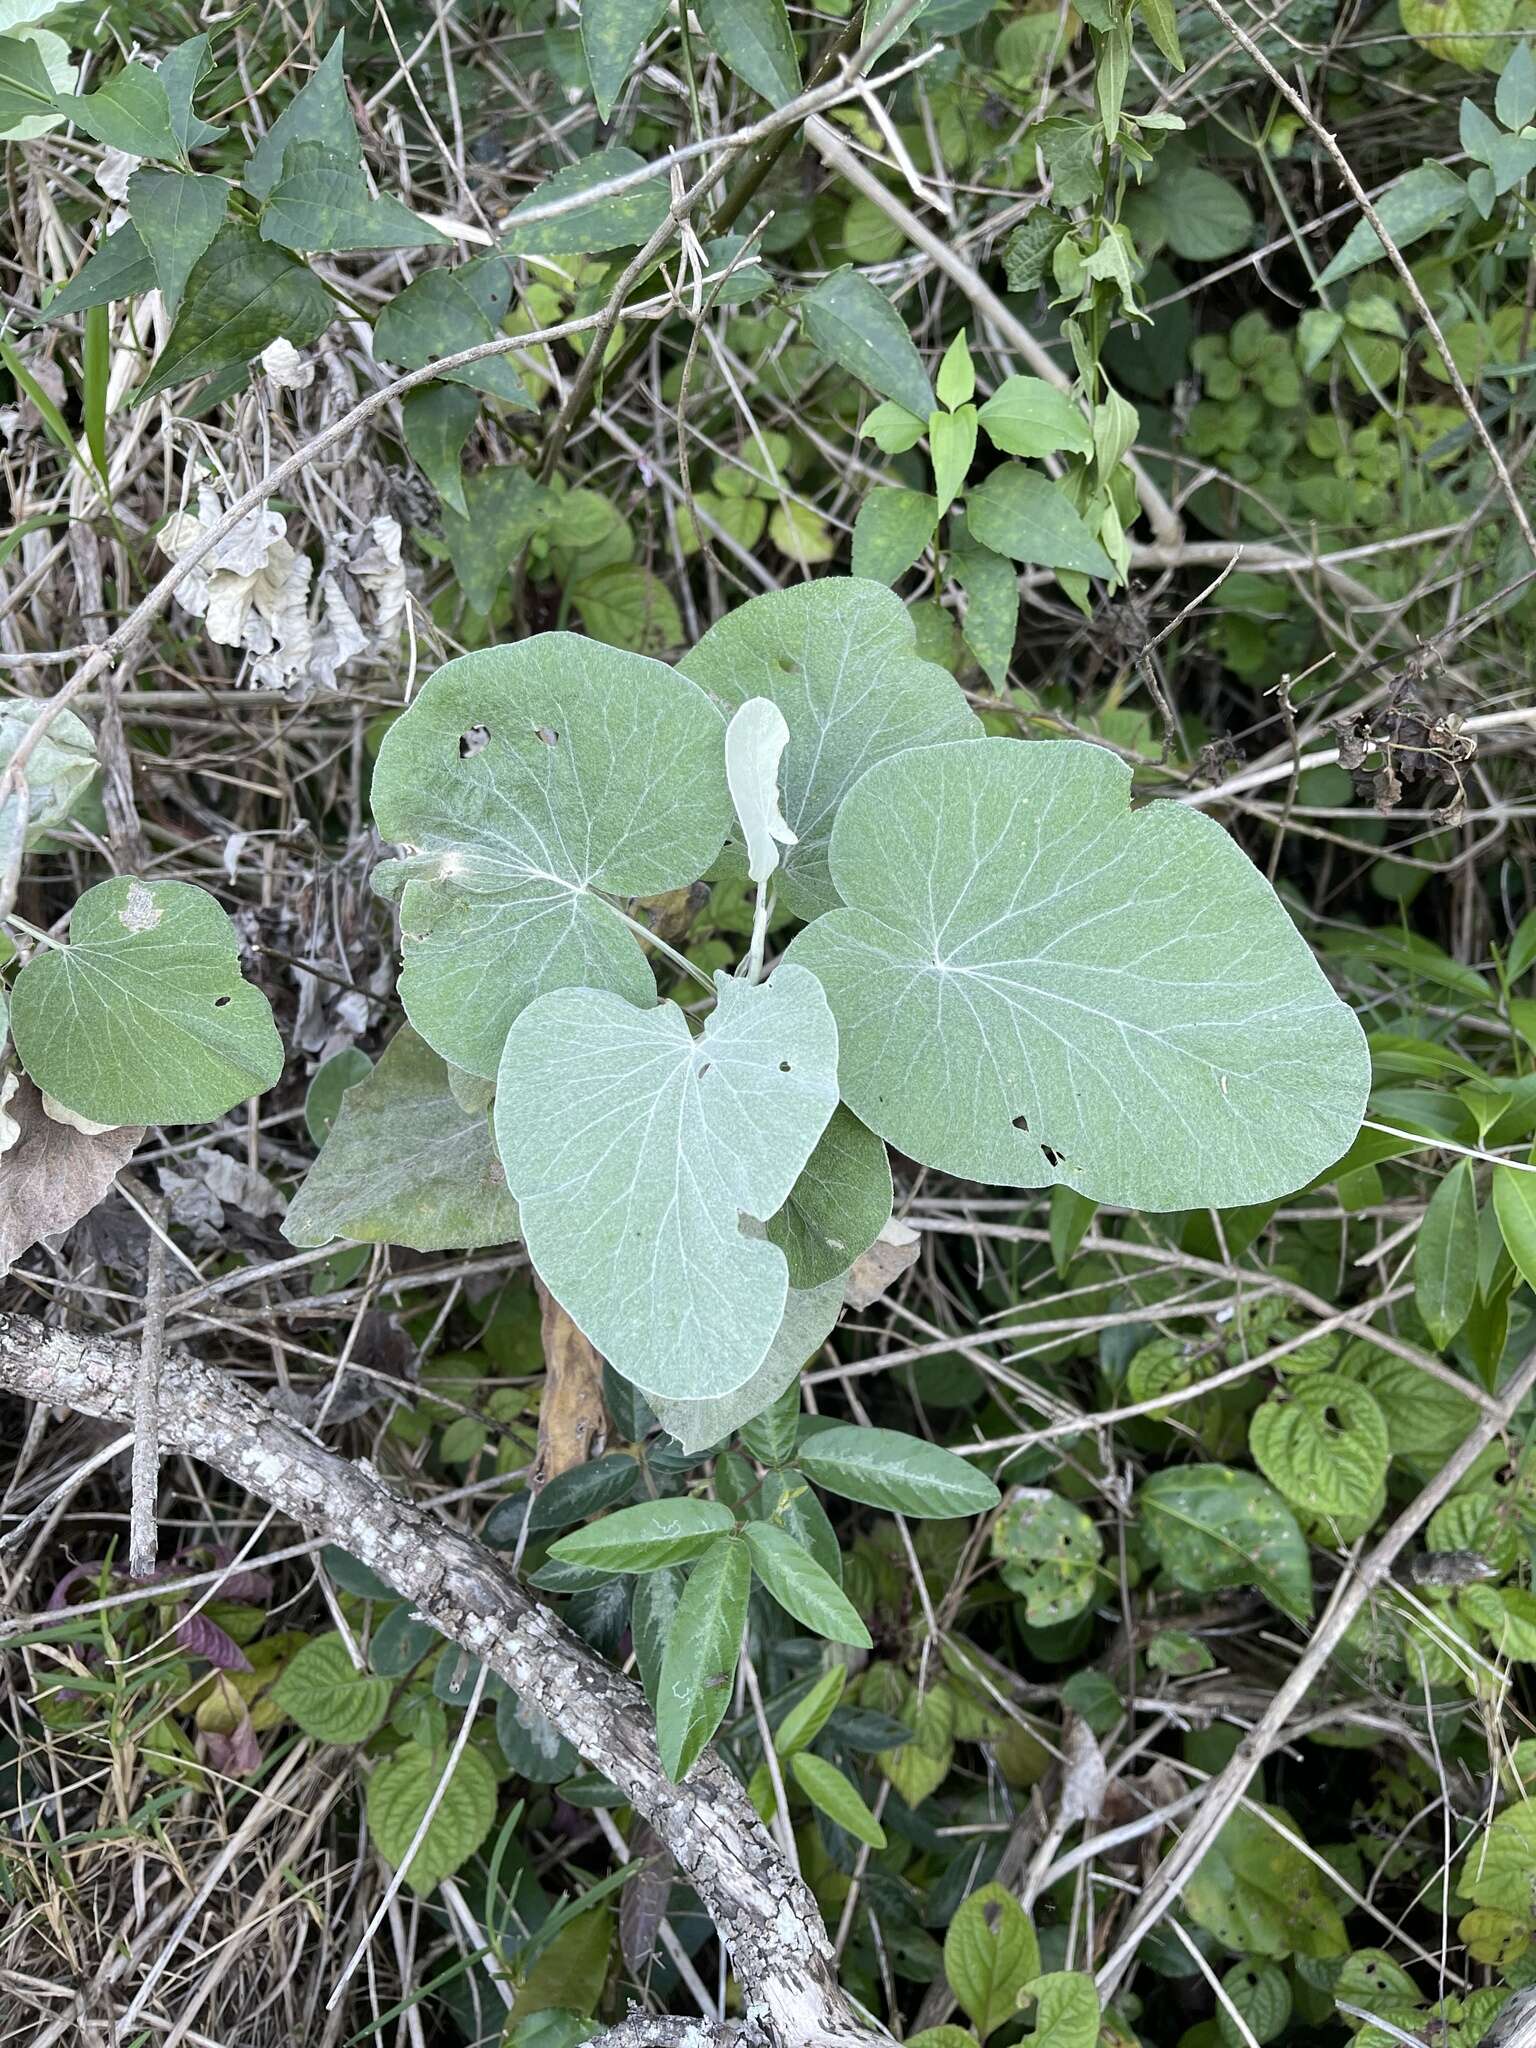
[
  {"x": 810, "y": 1315},
  {"x": 699, "y": 1664},
  {"x": 242, "y": 293},
  {"x": 1049, "y": 986},
  {"x": 323, "y": 201},
  {"x": 401, "y": 1791},
  {"x": 144, "y": 1018},
  {"x": 404, "y": 1164},
  {"x": 634, "y": 1150},
  {"x": 531, "y": 782},
  {"x": 131, "y": 112},
  {"x": 613, "y": 33},
  {"x": 838, "y": 1206},
  {"x": 753, "y": 39},
  {"x": 851, "y": 320},
  {"x": 1324, "y": 1445},
  {"x": 1212, "y": 1527},
  {"x": 318, "y": 112},
  {"x": 839, "y": 658},
  {"x": 618, "y": 221},
  {"x": 436, "y": 316},
  {"x": 177, "y": 216}
]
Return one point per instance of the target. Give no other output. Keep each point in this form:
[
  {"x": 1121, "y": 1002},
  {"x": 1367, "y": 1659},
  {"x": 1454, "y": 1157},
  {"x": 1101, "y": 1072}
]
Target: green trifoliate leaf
[
  {"x": 1027, "y": 416},
  {"x": 832, "y": 1794},
  {"x": 647, "y": 1538},
  {"x": 905, "y": 1475},
  {"x": 838, "y": 657},
  {"x": 143, "y": 1018},
  {"x": 1323, "y": 1443},
  {"x": 435, "y": 316},
  {"x": 401, "y": 1792},
  {"x": 634, "y": 1151},
  {"x": 801, "y": 1587},
  {"x": 699, "y": 1667},
  {"x": 839, "y": 1204},
  {"x": 891, "y": 531},
  {"x": 177, "y": 216},
  {"x": 131, "y": 112},
  {"x": 323, "y": 202},
  {"x": 619, "y": 221},
  {"x": 242, "y": 294},
  {"x": 1212, "y": 1527},
  {"x": 1445, "y": 1255},
  {"x": 952, "y": 443},
  {"x": 60, "y": 769},
  {"x": 318, "y": 112},
  {"x": 613, "y": 33},
  {"x": 532, "y": 783},
  {"x": 753, "y": 39},
  {"x": 810, "y": 1315},
  {"x": 1025, "y": 516},
  {"x": 1049, "y": 986},
  {"x": 853, "y": 322},
  {"x": 405, "y": 1164}
]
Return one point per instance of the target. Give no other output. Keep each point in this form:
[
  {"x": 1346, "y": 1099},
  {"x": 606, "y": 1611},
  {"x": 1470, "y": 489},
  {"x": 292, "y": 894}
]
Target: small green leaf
[
  {"x": 401, "y": 1641},
  {"x": 324, "y": 1692},
  {"x": 1515, "y": 99},
  {"x": 131, "y": 112},
  {"x": 436, "y": 316},
  {"x": 621, "y": 1132},
  {"x": 883, "y": 1468},
  {"x": 1211, "y": 1527},
  {"x": 1419, "y": 201},
  {"x": 143, "y": 1018},
  {"x": 1206, "y": 218},
  {"x": 405, "y": 1164},
  {"x": 118, "y": 268},
  {"x": 952, "y": 443},
  {"x": 990, "y": 1954},
  {"x": 613, "y": 33},
  {"x": 399, "y": 1794},
  {"x": 956, "y": 381},
  {"x": 330, "y": 207},
  {"x": 177, "y": 216},
  {"x": 647, "y": 1538},
  {"x": 531, "y": 1743},
  {"x": 504, "y": 509},
  {"x": 620, "y": 221},
  {"x": 436, "y": 420},
  {"x": 771, "y": 1435},
  {"x": 853, "y": 322},
  {"x": 753, "y": 39},
  {"x": 181, "y": 71},
  {"x": 1500, "y": 1866},
  {"x": 1258, "y": 1893},
  {"x": 242, "y": 294},
  {"x": 832, "y": 1794},
  {"x": 1027, "y": 416},
  {"x": 1050, "y": 1553},
  {"x": 1323, "y": 1443},
  {"x": 991, "y": 586},
  {"x": 892, "y": 530},
  {"x": 1445, "y": 1255},
  {"x": 699, "y": 1667},
  {"x": 1071, "y": 1214},
  {"x": 1031, "y": 519},
  {"x": 1162, "y": 19},
  {"x": 27, "y": 92},
  {"x": 806, "y": 1719},
  {"x": 652, "y": 1616},
  {"x": 839, "y": 1204},
  {"x": 1067, "y": 2010},
  {"x": 892, "y": 428},
  {"x": 318, "y": 112},
  {"x": 802, "y": 1588},
  {"x": 1514, "y": 1206}
]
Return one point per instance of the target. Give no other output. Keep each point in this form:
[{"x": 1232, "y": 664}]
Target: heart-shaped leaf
[
  {"x": 634, "y": 1151},
  {"x": 839, "y": 658},
  {"x": 1050, "y": 986},
  {"x": 1323, "y": 1442},
  {"x": 143, "y": 1017},
  {"x": 532, "y": 783},
  {"x": 810, "y": 1314}
]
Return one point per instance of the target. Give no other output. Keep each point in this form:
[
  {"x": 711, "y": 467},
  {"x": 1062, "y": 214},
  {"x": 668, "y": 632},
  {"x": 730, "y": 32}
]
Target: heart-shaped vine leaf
[
  {"x": 144, "y": 1018},
  {"x": 810, "y": 1315},
  {"x": 1050, "y": 986},
  {"x": 405, "y": 1164},
  {"x": 1323, "y": 1443},
  {"x": 839, "y": 658},
  {"x": 634, "y": 1151},
  {"x": 531, "y": 784},
  {"x": 838, "y": 1206}
]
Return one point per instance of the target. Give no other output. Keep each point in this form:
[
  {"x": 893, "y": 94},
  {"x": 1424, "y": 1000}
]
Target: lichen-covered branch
[{"x": 763, "y": 1913}]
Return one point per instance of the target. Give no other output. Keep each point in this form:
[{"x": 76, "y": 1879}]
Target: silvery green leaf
[
  {"x": 755, "y": 741},
  {"x": 60, "y": 769},
  {"x": 838, "y": 1206},
  {"x": 532, "y": 783},
  {"x": 838, "y": 657},
  {"x": 143, "y": 1017},
  {"x": 404, "y": 1163},
  {"x": 1051, "y": 986},
  {"x": 634, "y": 1150},
  {"x": 810, "y": 1316}
]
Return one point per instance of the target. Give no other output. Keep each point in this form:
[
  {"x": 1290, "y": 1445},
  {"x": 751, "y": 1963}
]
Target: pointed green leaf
[
  {"x": 891, "y": 530},
  {"x": 892, "y": 428},
  {"x": 1323, "y": 1442},
  {"x": 1211, "y": 1527},
  {"x": 504, "y": 509},
  {"x": 242, "y": 293},
  {"x": 1515, "y": 99},
  {"x": 647, "y": 1538},
  {"x": 613, "y": 33},
  {"x": 699, "y": 1667},
  {"x": 400, "y": 1795},
  {"x": 117, "y": 269},
  {"x": 143, "y": 1017},
  {"x": 802, "y": 1588},
  {"x": 853, "y": 322},
  {"x": 833, "y": 1794},
  {"x": 181, "y": 71},
  {"x": 1027, "y": 416},
  {"x": 956, "y": 381},
  {"x": 30, "y": 84},
  {"x": 436, "y": 316},
  {"x": 1025, "y": 516},
  {"x": 1445, "y": 1255},
  {"x": 622, "y": 220},
  {"x": 652, "y": 1615},
  {"x": 838, "y": 1206},
  {"x": 905, "y": 1475},
  {"x": 177, "y": 214},
  {"x": 810, "y": 1315},
  {"x": 753, "y": 39},
  {"x": 1162, "y": 19},
  {"x": 991, "y": 586},
  {"x": 318, "y": 112},
  {"x": 634, "y": 1150},
  {"x": 328, "y": 206},
  {"x": 130, "y": 112},
  {"x": 405, "y": 1164},
  {"x": 1050, "y": 986},
  {"x": 952, "y": 443},
  {"x": 436, "y": 420},
  {"x": 1418, "y": 202},
  {"x": 533, "y": 782},
  {"x": 1514, "y": 1206},
  {"x": 990, "y": 1954},
  {"x": 806, "y": 1719},
  {"x": 838, "y": 656}
]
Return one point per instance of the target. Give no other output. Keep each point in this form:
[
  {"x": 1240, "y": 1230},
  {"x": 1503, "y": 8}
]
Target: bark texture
[{"x": 760, "y": 1908}]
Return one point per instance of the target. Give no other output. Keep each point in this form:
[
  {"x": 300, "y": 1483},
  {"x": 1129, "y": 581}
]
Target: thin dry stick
[
  {"x": 145, "y": 1484},
  {"x": 1350, "y": 1596}
]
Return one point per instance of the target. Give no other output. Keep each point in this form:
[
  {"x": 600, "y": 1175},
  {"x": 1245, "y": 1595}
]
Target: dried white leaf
[
  {"x": 1085, "y": 1776},
  {"x": 287, "y": 369},
  {"x": 755, "y": 741},
  {"x": 874, "y": 1272},
  {"x": 377, "y": 566},
  {"x": 10, "y": 1130},
  {"x": 82, "y": 1124},
  {"x": 114, "y": 171}
]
